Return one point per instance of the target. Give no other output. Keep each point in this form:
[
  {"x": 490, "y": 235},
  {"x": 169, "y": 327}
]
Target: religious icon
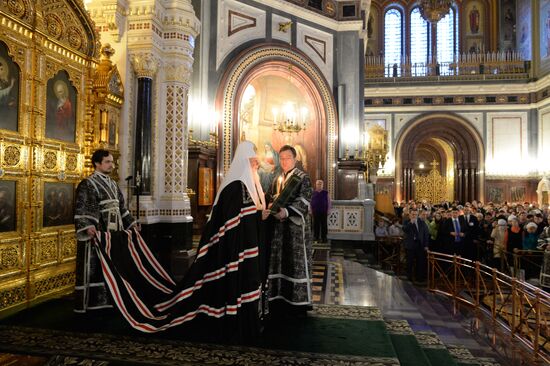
[
  {"x": 269, "y": 166},
  {"x": 9, "y": 91},
  {"x": 60, "y": 114},
  {"x": 58, "y": 204},
  {"x": 474, "y": 20},
  {"x": 547, "y": 23},
  {"x": 370, "y": 26},
  {"x": 7, "y": 206},
  {"x": 301, "y": 157},
  {"x": 206, "y": 186},
  {"x": 495, "y": 194},
  {"x": 112, "y": 132},
  {"x": 517, "y": 194}
]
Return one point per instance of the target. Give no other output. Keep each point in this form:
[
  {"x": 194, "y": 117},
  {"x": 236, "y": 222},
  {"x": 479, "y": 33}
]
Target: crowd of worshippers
[{"x": 490, "y": 233}]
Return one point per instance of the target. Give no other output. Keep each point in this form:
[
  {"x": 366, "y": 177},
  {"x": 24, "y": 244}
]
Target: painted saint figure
[
  {"x": 64, "y": 108},
  {"x": 269, "y": 166},
  {"x": 474, "y": 20},
  {"x": 9, "y": 90},
  {"x": 60, "y": 116}
]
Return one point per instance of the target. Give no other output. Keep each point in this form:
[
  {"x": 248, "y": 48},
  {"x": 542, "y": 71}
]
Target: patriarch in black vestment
[{"x": 220, "y": 295}]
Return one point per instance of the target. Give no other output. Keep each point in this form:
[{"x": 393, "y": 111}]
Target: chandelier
[
  {"x": 434, "y": 10},
  {"x": 289, "y": 118}
]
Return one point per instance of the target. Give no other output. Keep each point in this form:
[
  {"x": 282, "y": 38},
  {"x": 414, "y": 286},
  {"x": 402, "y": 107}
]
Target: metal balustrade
[
  {"x": 521, "y": 309},
  {"x": 468, "y": 66}
]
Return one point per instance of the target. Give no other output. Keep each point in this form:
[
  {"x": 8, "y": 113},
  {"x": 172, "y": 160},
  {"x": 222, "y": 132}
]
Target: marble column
[
  {"x": 145, "y": 66},
  {"x": 174, "y": 199}
]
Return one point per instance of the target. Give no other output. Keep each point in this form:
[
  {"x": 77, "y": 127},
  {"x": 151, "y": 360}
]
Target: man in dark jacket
[
  {"x": 417, "y": 239},
  {"x": 455, "y": 231},
  {"x": 471, "y": 234},
  {"x": 320, "y": 205}
]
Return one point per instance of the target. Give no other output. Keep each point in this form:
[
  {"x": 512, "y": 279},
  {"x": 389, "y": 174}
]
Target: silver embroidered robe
[
  {"x": 99, "y": 204},
  {"x": 291, "y": 247}
]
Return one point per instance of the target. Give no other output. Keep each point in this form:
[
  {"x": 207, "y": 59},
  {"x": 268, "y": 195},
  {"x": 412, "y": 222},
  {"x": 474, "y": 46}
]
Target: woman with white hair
[{"x": 499, "y": 236}]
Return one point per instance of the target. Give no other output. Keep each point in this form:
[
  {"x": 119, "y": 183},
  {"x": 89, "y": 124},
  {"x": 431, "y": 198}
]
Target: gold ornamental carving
[
  {"x": 330, "y": 8},
  {"x": 71, "y": 162},
  {"x": 431, "y": 187},
  {"x": 68, "y": 247},
  {"x": 50, "y": 160},
  {"x": 74, "y": 37},
  {"x": 9, "y": 258},
  {"x": 19, "y": 8},
  {"x": 54, "y": 283},
  {"x": 46, "y": 250},
  {"x": 54, "y": 25},
  {"x": 12, "y": 296},
  {"x": 12, "y": 155}
]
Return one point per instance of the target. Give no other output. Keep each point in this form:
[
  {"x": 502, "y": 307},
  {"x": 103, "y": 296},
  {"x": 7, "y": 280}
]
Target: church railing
[
  {"x": 517, "y": 307},
  {"x": 351, "y": 220},
  {"x": 468, "y": 66}
]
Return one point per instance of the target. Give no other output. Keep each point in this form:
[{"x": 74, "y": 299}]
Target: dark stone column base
[{"x": 171, "y": 243}]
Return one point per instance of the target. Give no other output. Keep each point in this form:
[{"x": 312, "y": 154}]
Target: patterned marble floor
[{"x": 399, "y": 299}]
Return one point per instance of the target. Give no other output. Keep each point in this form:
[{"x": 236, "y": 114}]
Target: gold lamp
[
  {"x": 434, "y": 10},
  {"x": 374, "y": 148}
]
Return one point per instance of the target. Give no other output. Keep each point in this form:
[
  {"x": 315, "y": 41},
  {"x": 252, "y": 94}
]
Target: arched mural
[{"x": 276, "y": 61}]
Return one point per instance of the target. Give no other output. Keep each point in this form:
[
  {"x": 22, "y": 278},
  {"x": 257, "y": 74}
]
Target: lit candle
[
  {"x": 279, "y": 184},
  {"x": 275, "y": 112}
]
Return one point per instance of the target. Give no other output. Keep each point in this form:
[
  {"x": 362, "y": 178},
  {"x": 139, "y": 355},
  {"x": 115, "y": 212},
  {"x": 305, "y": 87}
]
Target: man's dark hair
[
  {"x": 98, "y": 155},
  {"x": 288, "y": 148}
]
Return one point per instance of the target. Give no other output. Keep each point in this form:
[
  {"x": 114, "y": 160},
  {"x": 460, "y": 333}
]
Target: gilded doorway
[
  {"x": 455, "y": 145},
  {"x": 434, "y": 171}
]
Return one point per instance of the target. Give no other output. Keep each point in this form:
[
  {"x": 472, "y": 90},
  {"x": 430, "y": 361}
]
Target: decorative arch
[
  {"x": 467, "y": 147},
  {"x": 274, "y": 56}
]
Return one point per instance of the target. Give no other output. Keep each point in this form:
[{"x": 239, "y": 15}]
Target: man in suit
[
  {"x": 417, "y": 239},
  {"x": 455, "y": 231},
  {"x": 471, "y": 234}
]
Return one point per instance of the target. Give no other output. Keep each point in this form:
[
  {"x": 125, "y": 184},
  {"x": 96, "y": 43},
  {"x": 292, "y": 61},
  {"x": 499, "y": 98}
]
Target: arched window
[
  {"x": 420, "y": 46},
  {"x": 393, "y": 41},
  {"x": 447, "y": 41},
  {"x": 423, "y": 39}
]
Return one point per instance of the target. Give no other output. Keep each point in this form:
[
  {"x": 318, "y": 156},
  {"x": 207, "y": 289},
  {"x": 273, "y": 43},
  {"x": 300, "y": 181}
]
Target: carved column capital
[{"x": 145, "y": 64}]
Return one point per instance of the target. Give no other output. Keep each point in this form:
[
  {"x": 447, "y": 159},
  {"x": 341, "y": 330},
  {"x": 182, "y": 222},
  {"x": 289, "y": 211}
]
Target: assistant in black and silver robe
[
  {"x": 291, "y": 245},
  {"x": 99, "y": 204}
]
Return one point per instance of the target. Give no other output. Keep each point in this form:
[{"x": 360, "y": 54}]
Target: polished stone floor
[{"x": 399, "y": 299}]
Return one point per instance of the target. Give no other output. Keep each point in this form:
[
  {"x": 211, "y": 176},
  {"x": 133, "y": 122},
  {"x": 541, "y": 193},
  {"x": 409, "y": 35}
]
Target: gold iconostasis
[{"x": 58, "y": 102}]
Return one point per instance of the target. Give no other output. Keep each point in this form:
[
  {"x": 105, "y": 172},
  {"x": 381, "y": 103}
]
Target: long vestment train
[
  {"x": 99, "y": 204},
  {"x": 291, "y": 251},
  {"x": 221, "y": 292}
]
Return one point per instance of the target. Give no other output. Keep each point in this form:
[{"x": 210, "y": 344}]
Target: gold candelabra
[
  {"x": 211, "y": 143},
  {"x": 289, "y": 120},
  {"x": 374, "y": 148}
]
